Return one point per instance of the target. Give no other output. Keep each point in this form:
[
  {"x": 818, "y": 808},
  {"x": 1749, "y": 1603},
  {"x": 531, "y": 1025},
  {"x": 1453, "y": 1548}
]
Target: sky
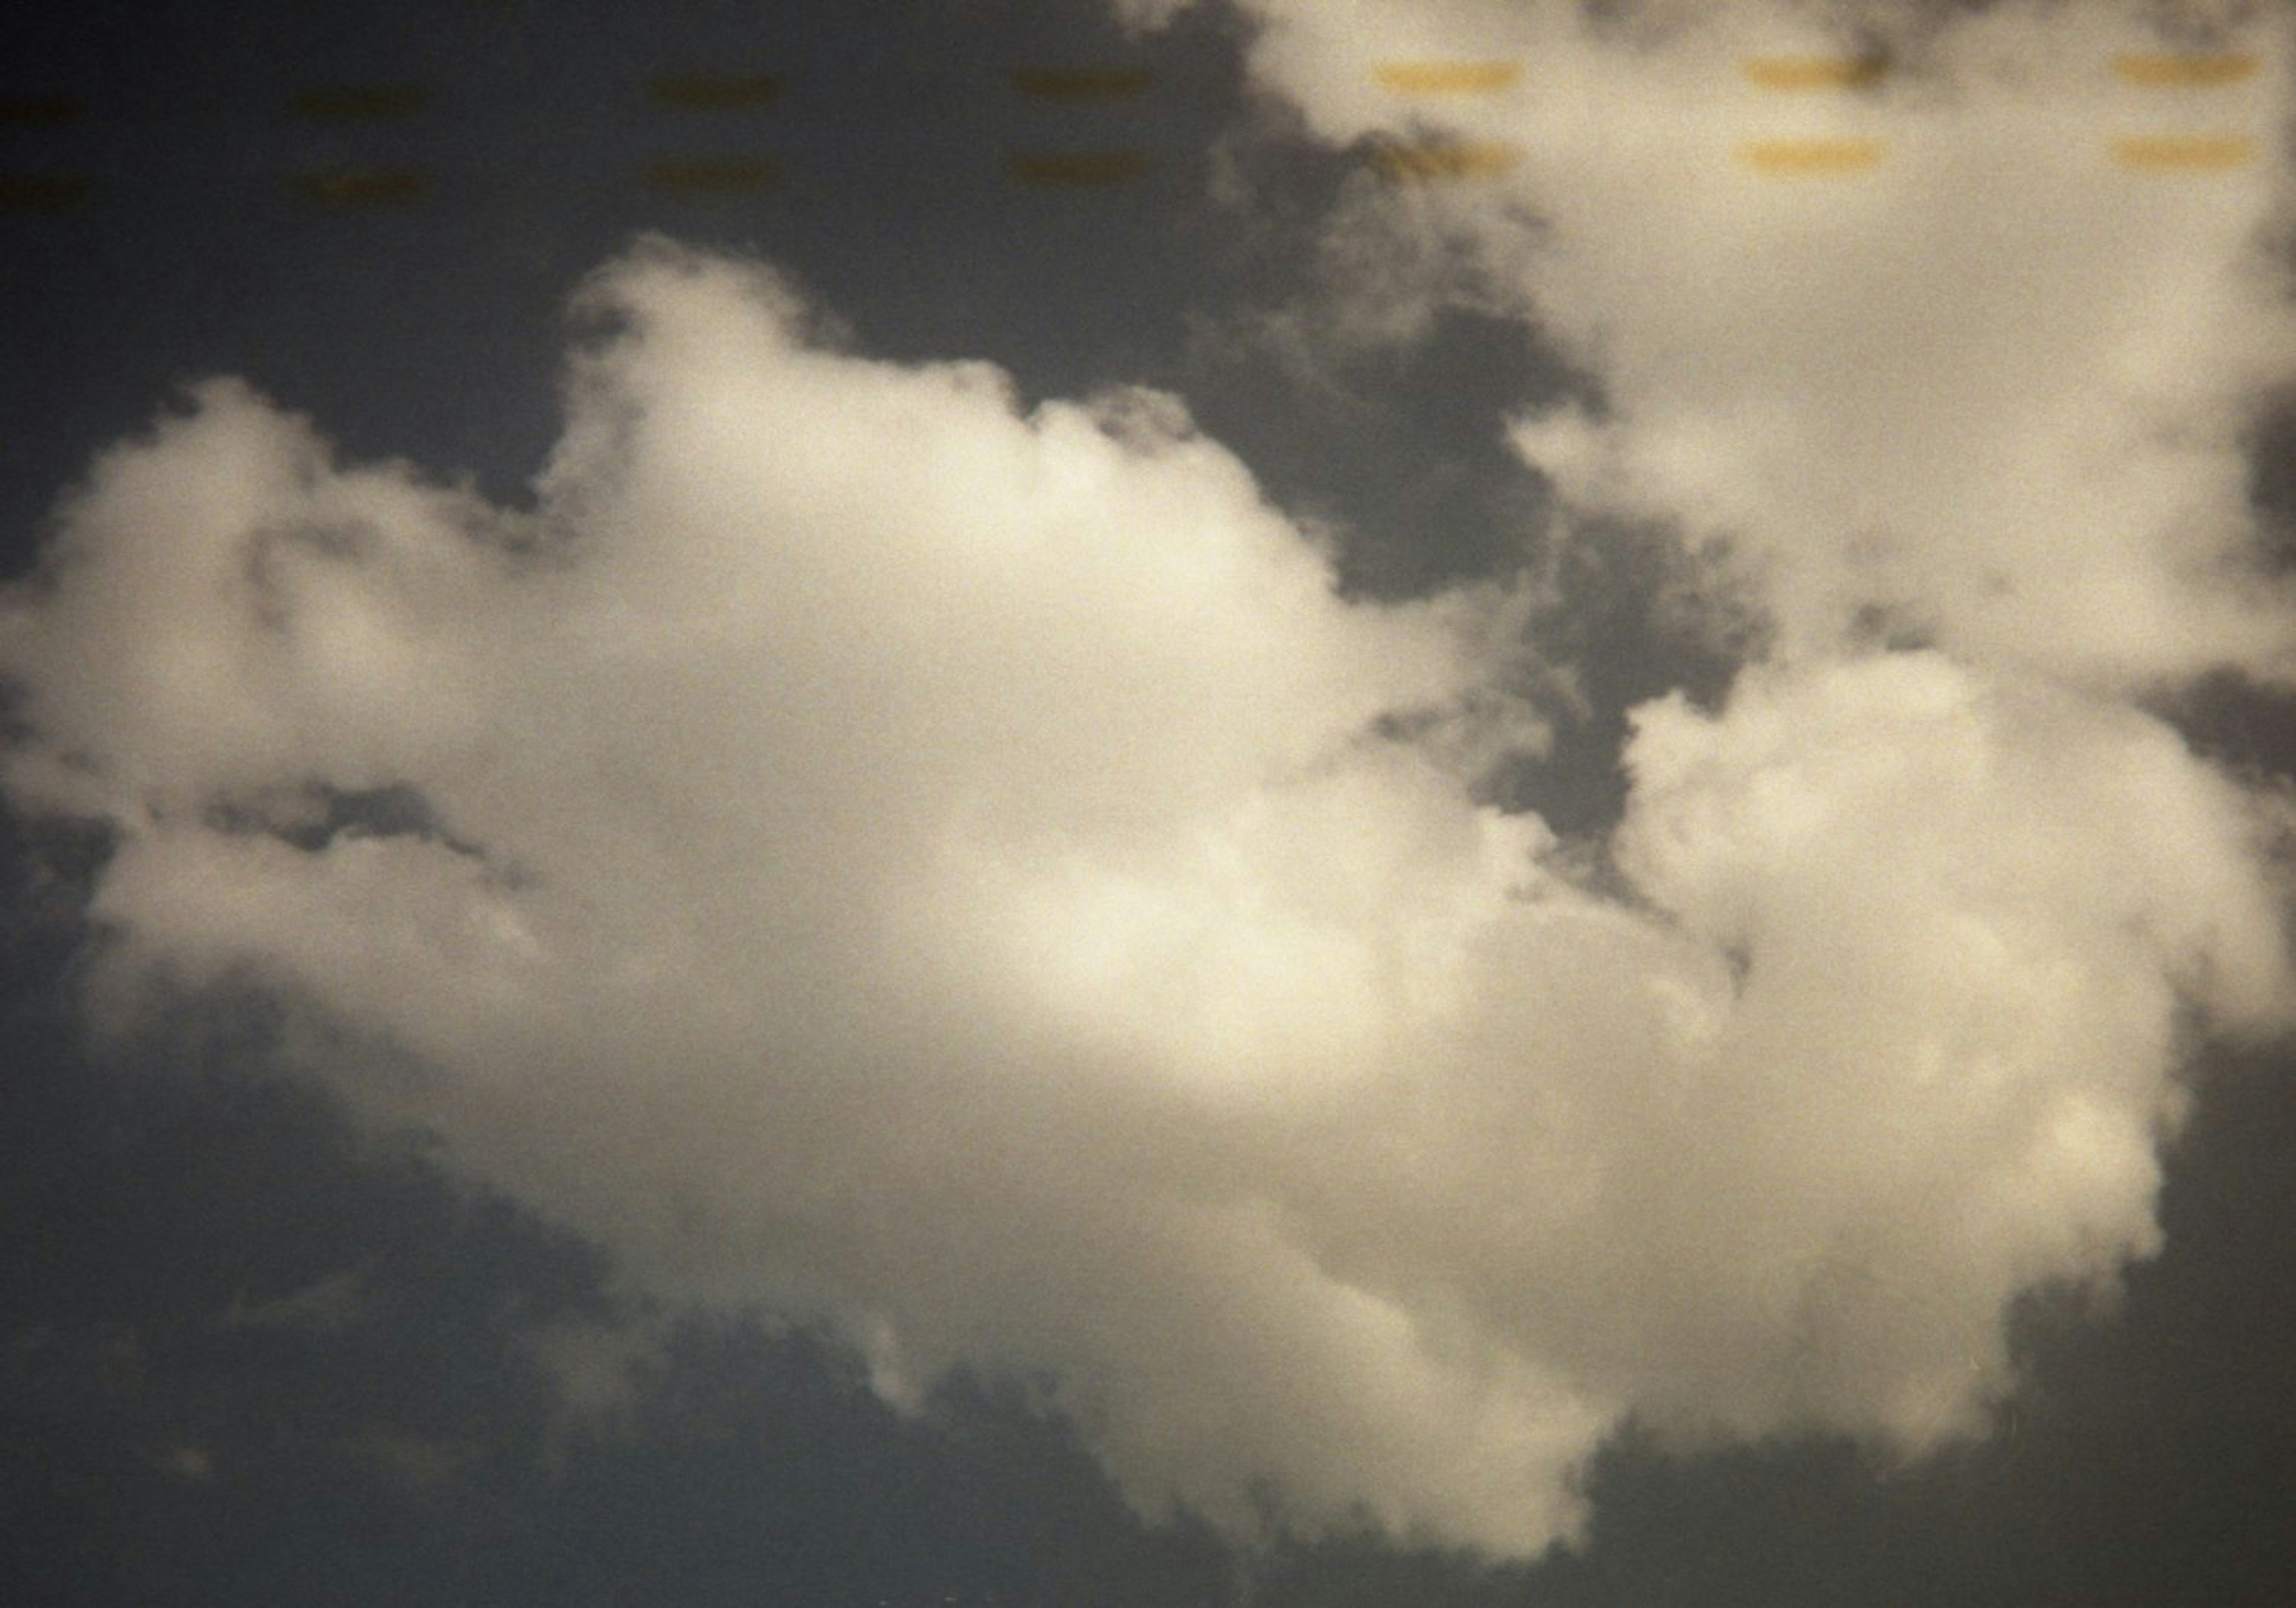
[{"x": 1263, "y": 801}]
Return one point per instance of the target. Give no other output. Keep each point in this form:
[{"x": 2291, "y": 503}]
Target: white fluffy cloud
[
  {"x": 1990, "y": 391},
  {"x": 945, "y": 870}
]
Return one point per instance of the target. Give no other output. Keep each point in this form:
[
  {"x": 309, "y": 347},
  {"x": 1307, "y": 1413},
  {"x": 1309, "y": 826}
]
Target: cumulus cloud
[
  {"x": 1990, "y": 392},
  {"x": 854, "y": 846}
]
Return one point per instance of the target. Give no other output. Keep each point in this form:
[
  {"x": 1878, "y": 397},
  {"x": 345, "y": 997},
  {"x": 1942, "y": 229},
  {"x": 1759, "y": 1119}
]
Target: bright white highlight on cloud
[{"x": 945, "y": 870}]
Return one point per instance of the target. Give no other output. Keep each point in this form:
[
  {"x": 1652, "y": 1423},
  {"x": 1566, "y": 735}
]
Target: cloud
[
  {"x": 852, "y": 845},
  {"x": 1794, "y": 365}
]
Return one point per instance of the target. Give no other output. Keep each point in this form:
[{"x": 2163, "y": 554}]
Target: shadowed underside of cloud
[{"x": 968, "y": 875}]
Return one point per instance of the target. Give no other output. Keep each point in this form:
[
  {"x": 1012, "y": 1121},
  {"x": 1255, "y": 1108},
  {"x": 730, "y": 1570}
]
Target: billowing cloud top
[{"x": 852, "y": 845}]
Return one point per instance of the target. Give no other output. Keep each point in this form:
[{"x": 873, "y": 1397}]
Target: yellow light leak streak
[
  {"x": 1449, "y": 77},
  {"x": 712, "y": 91},
  {"x": 1461, "y": 161},
  {"x": 2184, "y": 152},
  {"x": 363, "y": 187},
  {"x": 1075, "y": 170},
  {"x": 39, "y": 111},
  {"x": 1079, "y": 84},
  {"x": 43, "y": 192},
  {"x": 360, "y": 102},
  {"x": 1789, "y": 74},
  {"x": 716, "y": 176},
  {"x": 1787, "y": 158},
  {"x": 2170, "y": 69}
]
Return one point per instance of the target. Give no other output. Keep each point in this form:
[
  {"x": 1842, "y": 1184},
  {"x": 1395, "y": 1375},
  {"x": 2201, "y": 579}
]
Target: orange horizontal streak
[
  {"x": 712, "y": 91},
  {"x": 1068, "y": 170},
  {"x": 1815, "y": 72},
  {"x": 1449, "y": 77},
  {"x": 2189, "y": 152},
  {"x": 2174, "y": 70},
  {"x": 354, "y": 102},
  {"x": 1464, "y": 161},
  {"x": 1079, "y": 83},
  {"x": 38, "y": 111},
  {"x": 364, "y": 186},
  {"x": 1810, "y": 156},
  {"x": 43, "y": 192},
  {"x": 714, "y": 176}
]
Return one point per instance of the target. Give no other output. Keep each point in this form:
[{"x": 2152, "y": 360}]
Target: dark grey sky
[{"x": 252, "y": 1354}]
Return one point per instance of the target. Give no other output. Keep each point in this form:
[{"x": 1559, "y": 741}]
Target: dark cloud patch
[
  {"x": 2271, "y": 477},
  {"x": 1396, "y": 447}
]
